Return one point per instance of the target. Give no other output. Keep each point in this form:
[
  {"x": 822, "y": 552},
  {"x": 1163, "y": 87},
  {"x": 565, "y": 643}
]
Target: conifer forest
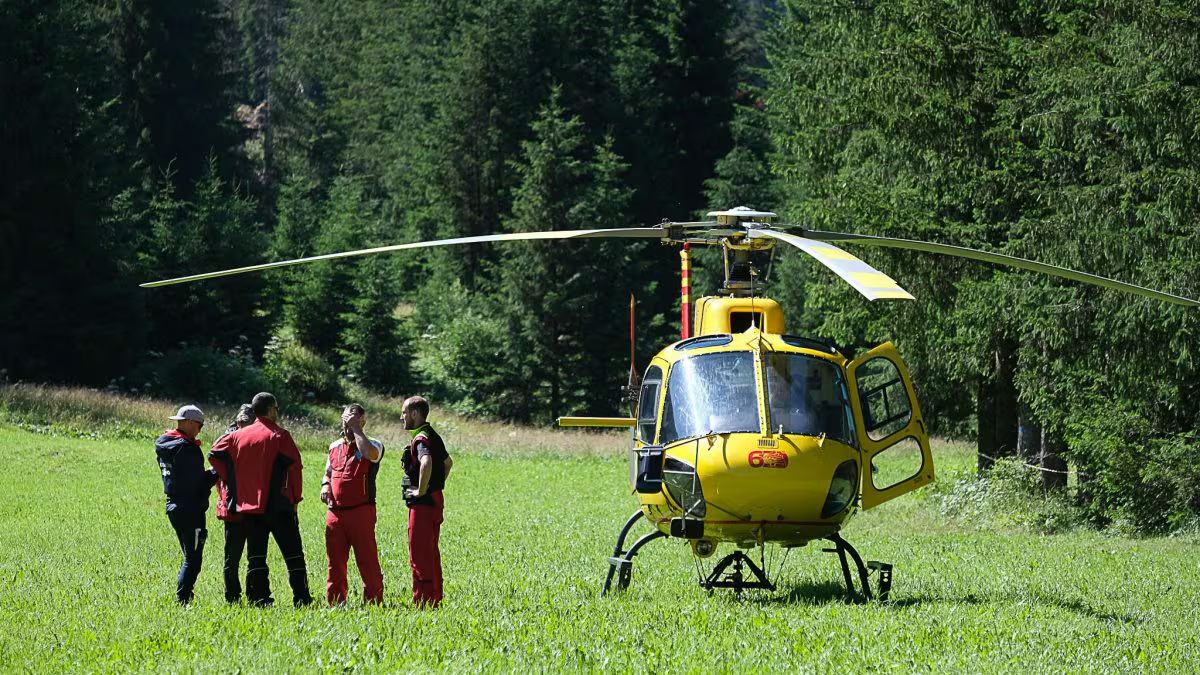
[{"x": 147, "y": 139}]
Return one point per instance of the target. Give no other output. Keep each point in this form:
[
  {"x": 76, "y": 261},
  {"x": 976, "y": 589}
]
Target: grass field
[{"x": 87, "y": 564}]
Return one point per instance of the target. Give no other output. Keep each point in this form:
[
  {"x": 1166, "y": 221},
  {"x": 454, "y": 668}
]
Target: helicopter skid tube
[
  {"x": 621, "y": 562},
  {"x": 843, "y": 548}
]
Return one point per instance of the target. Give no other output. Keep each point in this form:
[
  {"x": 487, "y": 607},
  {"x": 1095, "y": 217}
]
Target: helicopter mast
[{"x": 685, "y": 274}]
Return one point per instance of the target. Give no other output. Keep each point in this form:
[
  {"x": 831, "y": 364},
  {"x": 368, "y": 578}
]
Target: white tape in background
[{"x": 1034, "y": 466}]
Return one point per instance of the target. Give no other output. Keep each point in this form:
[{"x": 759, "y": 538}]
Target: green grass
[{"x": 87, "y": 565}]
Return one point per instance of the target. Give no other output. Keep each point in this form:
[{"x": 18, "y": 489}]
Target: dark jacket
[
  {"x": 185, "y": 481},
  {"x": 426, "y": 441}
]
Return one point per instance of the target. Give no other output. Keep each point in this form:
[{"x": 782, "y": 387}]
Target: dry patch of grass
[{"x": 82, "y": 412}]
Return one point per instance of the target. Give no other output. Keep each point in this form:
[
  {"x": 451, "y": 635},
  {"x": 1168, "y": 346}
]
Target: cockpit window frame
[
  {"x": 670, "y": 386},
  {"x": 651, "y": 377},
  {"x": 847, "y": 433}
]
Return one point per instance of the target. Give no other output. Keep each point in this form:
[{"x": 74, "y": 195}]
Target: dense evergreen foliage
[{"x": 144, "y": 139}]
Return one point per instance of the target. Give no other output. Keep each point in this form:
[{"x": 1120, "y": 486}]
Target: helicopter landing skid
[
  {"x": 723, "y": 577},
  {"x": 621, "y": 562},
  {"x": 843, "y": 548}
]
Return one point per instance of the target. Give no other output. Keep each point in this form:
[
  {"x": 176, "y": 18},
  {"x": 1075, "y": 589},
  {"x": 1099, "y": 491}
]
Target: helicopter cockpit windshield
[
  {"x": 807, "y": 397},
  {"x": 710, "y": 394}
]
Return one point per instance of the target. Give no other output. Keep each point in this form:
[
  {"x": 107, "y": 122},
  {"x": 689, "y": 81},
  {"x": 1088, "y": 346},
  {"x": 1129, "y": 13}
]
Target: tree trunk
[
  {"x": 1054, "y": 466},
  {"x": 1005, "y": 360},
  {"x": 996, "y": 409},
  {"x": 985, "y": 415},
  {"x": 1029, "y": 437}
]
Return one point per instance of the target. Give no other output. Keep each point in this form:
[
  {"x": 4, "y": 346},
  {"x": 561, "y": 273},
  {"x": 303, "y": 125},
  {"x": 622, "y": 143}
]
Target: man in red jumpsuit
[
  {"x": 426, "y": 465},
  {"x": 349, "y": 490}
]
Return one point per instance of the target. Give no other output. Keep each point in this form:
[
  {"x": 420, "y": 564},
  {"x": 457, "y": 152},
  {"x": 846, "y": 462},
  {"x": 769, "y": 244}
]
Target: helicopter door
[{"x": 891, "y": 432}]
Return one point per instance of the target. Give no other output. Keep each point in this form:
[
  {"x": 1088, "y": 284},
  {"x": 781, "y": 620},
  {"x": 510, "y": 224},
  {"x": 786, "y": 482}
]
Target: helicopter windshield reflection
[
  {"x": 711, "y": 393},
  {"x": 807, "y": 396}
]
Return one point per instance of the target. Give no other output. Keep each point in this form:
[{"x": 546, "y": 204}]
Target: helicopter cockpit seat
[{"x": 799, "y": 421}]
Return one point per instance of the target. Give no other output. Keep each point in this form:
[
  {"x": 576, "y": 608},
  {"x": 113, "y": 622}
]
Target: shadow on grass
[
  {"x": 1038, "y": 599},
  {"x": 825, "y": 592},
  {"x": 805, "y": 593}
]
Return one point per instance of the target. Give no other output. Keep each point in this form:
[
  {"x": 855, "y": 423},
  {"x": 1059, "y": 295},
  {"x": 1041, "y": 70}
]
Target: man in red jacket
[
  {"x": 261, "y": 469},
  {"x": 349, "y": 490}
]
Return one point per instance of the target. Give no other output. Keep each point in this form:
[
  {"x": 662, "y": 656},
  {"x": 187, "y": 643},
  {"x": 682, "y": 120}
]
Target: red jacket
[
  {"x": 245, "y": 459},
  {"x": 352, "y": 476}
]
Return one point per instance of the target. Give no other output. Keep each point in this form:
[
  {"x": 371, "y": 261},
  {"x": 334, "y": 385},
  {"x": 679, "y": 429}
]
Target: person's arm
[
  {"x": 295, "y": 471},
  {"x": 448, "y": 464},
  {"x": 365, "y": 447},
  {"x": 353, "y": 423},
  {"x": 325, "y": 489},
  {"x": 425, "y": 472},
  {"x": 218, "y": 457}
]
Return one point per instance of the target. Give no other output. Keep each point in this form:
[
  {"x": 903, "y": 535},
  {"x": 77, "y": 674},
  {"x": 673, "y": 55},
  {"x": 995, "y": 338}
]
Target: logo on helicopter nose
[{"x": 770, "y": 459}]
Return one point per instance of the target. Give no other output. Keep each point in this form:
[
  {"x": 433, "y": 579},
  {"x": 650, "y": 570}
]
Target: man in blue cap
[{"x": 187, "y": 485}]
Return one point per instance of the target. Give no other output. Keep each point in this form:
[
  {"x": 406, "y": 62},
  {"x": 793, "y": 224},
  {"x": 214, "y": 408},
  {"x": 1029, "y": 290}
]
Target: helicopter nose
[{"x": 786, "y": 481}]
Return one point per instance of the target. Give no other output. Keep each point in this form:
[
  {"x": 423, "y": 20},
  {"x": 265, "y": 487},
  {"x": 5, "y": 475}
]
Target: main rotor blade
[
  {"x": 627, "y": 233},
  {"x": 1000, "y": 259},
  {"x": 873, "y": 284}
]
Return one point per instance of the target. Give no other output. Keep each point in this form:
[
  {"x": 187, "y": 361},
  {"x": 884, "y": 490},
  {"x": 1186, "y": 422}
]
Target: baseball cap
[{"x": 188, "y": 412}]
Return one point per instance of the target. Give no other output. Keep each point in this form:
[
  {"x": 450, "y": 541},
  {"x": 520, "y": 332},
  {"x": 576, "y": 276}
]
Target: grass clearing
[{"x": 88, "y": 563}]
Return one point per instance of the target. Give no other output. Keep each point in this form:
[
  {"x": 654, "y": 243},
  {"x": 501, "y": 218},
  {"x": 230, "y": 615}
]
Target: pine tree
[
  {"x": 214, "y": 229},
  {"x": 175, "y": 88},
  {"x": 564, "y": 349},
  {"x": 65, "y": 266},
  {"x": 323, "y": 292},
  {"x": 370, "y": 345}
]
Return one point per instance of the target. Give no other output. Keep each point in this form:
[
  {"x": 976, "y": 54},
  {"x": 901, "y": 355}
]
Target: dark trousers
[
  {"x": 190, "y": 530},
  {"x": 285, "y": 527},
  {"x": 235, "y": 543},
  {"x": 258, "y": 583}
]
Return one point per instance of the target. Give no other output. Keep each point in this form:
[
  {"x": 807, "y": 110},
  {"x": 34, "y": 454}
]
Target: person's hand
[
  {"x": 325, "y": 494},
  {"x": 412, "y": 493},
  {"x": 352, "y": 422}
]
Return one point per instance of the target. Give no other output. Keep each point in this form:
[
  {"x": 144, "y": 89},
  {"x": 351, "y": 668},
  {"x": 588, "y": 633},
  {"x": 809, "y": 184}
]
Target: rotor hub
[{"x": 742, "y": 215}]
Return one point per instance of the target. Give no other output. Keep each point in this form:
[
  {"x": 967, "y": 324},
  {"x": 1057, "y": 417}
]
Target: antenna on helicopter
[
  {"x": 753, "y": 309},
  {"x": 631, "y": 387}
]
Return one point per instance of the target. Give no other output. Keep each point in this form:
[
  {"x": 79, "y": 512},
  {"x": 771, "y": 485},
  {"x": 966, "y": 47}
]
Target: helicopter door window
[
  {"x": 710, "y": 394},
  {"x": 648, "y": 404},
  {"x": 886, "y": 408},
  {"x": 806, "y": 396},
  {"x": 896, "y": 464}
]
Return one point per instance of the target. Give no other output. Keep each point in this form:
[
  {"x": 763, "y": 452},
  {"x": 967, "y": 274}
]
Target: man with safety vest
[
  {"x": 261, "y": 469},
  {"x": 186, "y": 484},
  {"x": 426, "y": 465},
  {"x": 349, "y": 490}
]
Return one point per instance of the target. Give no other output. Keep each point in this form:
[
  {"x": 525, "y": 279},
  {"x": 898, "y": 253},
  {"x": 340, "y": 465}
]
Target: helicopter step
[
  {"x": 723, "y": 577},
  {"x": 843, "y": 549},
  {"x": 620, "y": 564}
]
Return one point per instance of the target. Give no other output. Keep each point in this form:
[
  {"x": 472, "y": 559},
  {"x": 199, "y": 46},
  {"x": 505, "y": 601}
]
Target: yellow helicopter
[{"x": 746, "y": 435}]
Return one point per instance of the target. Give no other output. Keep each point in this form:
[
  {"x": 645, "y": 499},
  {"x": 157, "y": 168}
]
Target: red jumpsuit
[
  {"x": 350, "y": 523},
  {"x": 425, "y": 517}
]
